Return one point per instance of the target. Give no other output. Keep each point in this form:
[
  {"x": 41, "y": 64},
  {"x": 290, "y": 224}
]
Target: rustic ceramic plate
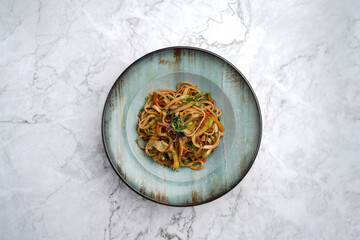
[{"x": 165, "y": 68}]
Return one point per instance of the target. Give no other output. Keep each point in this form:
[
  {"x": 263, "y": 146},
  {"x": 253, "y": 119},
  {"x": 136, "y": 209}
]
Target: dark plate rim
[{"x": 190, "y": 204}]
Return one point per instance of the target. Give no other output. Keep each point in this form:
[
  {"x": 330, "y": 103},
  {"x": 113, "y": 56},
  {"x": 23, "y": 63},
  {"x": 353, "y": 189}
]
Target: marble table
[{"x": 59, "y": 59}]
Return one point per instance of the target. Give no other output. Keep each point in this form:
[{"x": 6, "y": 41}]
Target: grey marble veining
[{"x": 59, "y": 59}]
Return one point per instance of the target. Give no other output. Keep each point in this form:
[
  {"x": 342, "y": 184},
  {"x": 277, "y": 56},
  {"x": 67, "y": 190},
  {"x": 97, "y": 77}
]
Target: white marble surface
[{"x": 59, "y": 59}]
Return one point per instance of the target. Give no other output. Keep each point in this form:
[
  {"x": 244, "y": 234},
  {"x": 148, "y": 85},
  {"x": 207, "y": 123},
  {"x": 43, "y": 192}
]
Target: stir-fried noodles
[{"x": 180, "y": 128}]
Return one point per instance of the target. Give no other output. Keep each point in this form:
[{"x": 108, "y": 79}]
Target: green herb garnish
[
  {"x": 189, "y": 99},
  {"x": 178, "y": 125},
  {"x": 199, "y": 95}
]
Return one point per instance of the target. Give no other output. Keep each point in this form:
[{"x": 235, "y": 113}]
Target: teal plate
[{"x": 224, "y": 169}]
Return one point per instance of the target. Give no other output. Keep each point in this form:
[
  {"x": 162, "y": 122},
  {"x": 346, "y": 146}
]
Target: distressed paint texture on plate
[{"x": 165, "y": 68}]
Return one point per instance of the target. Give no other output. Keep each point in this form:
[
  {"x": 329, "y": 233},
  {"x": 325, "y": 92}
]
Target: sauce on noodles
[{"x": 180, "y": 128}]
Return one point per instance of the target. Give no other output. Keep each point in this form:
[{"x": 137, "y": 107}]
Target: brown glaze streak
[
  {"x": 143, "y": 189},
  {"x": 241, "y": 82},
  {"x": 164, "y": 198},
  {"x": 242, "y": 165},
  {"x": 211, "y": 194},
  {"x": 234, "y": 75},
  {"x": 170, "y": 63},
  {"x": 162, "y": 61},
  {"x": 177, "y": 55},
  {"x": 191, "y": 53},
  {"x": 196, "y": 197},
  {"x": 173, "y": 64},
  {"x": 236, "y": 78},
  {"x": 160, "y": 197},
  {"x": 119, "y": 167},
  {"x": 226, "y": 184},
  {"x": 243, "y": 98},
  {"x": 163, "y": 192},
  {"x": 192, "y": 56},
  {"x": 119, "y": 85},
  {"x": 110, "y": 103},
  {"x": 120, "y": 171}
]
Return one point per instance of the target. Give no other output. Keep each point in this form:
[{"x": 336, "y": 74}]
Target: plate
[{"x": 241, "y": 117}]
